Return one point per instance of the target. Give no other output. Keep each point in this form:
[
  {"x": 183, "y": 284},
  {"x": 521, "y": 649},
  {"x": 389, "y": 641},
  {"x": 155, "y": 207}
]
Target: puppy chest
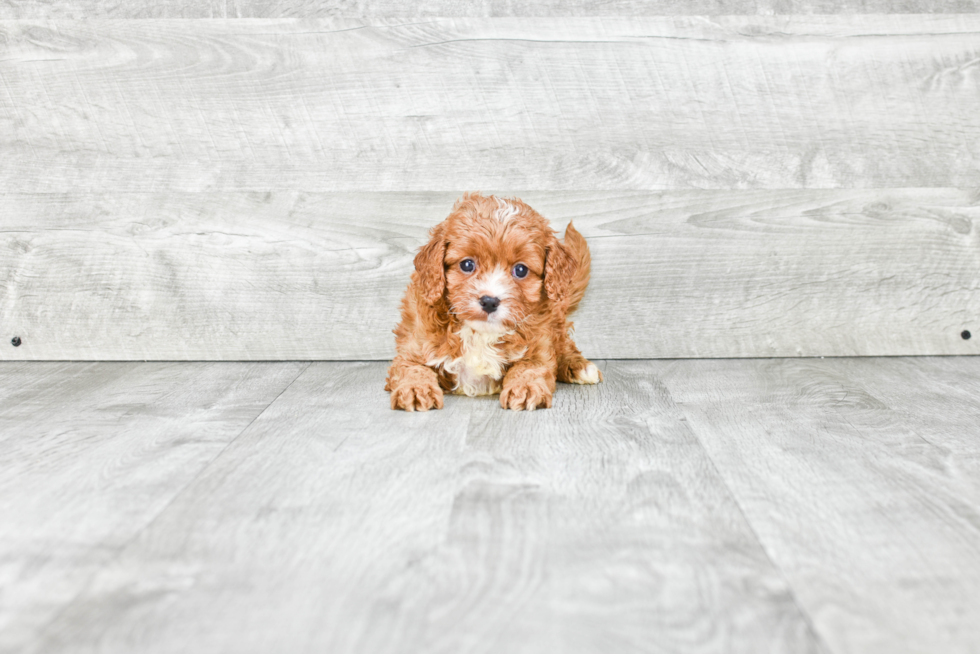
[{"x": 481, "y": 365}]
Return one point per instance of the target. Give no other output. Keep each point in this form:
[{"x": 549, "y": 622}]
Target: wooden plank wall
[
  {"x": 473, "y": 8},
  {"x": 787, "y": 179}
]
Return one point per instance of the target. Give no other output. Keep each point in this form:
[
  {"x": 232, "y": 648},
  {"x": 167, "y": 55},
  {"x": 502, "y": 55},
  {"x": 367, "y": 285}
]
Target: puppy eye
[
  {"x": 520, "y": 271},
  {"x": 467, "y": 265}
]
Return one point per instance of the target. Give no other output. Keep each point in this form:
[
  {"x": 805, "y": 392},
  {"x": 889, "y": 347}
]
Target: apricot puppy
[{"x": 486, "y": 310}]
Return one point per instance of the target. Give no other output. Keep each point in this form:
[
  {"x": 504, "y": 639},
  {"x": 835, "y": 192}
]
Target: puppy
[{"x": 486, "y": 310}]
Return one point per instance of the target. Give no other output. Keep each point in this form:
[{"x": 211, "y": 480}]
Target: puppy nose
[{"x": 489, "y": 304}]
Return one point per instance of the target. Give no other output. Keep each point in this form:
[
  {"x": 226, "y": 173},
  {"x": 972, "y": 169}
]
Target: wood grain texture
[
  {"x": 861, "y": 479},
  {"x": 604, "y": 524},
  {"x": 334, "y": 524},
  {"x": 288, "y": 275},
  {"x": 476, "y": 8},
  {"x": 92, "y": 453},
  {"x": 633, "y": 103}
]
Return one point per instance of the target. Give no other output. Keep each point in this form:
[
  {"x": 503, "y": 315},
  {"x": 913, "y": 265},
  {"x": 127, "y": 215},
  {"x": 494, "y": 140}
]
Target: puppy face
[
  {"x": 490, "y": 259},
  {"x": 494, "y": 275}
]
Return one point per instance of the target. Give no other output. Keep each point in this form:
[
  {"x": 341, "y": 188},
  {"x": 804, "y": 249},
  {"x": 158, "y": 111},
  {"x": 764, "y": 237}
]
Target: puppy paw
[
  {"x": 416, "y": 394},
  {"x": 529, "y": 394},
  {"x": 579, "y": 371}
]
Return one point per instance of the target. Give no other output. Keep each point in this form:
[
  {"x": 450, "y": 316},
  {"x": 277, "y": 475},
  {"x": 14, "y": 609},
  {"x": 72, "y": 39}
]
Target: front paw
[
  {"x": 527, "y": 394},
  {"x": 416, "y": 395}
]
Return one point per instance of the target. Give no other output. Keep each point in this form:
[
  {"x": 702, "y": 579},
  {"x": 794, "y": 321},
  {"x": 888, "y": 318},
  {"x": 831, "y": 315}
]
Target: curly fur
[{"x": 446, "y": 342}]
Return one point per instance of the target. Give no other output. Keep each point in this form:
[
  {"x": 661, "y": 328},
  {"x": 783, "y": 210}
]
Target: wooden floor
[{"x": 768, "y": 505}]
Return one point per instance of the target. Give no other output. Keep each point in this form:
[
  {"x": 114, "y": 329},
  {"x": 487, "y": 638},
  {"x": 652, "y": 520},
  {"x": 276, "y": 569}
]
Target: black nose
[{"x": 489, "y": 304}]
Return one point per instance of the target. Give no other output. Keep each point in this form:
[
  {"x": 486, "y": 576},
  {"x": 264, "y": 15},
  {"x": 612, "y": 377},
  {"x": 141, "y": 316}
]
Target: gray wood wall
[{"x": 250, "y": 180}]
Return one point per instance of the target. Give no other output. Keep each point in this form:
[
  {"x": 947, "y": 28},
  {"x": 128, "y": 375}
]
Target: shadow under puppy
[{"x": 486, "y": 310}]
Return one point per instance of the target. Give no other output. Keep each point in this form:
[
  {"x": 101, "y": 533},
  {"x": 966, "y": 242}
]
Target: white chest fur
[{"x": 481, "y": 366}]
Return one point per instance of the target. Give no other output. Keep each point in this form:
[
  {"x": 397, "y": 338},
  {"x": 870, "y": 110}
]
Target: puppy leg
[
  {"x": 573, "y": 368},
  {"x": 527, "y": 386},
  {"x": 576, "y": 369},
  {"x": 413, "y": 387}
]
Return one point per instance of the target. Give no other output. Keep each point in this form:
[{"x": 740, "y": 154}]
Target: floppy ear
[
  {"x": 559, "y": 268},
  {"x": 430, "y": 265}
]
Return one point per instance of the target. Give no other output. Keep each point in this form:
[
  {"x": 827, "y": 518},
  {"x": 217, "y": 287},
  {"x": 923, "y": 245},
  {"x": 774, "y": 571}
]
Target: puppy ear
[
  {"x": 559, "y": 269},
  {"x": 430, "y": 266}
]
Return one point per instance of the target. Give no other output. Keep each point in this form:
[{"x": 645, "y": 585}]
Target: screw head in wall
[
  {"x": 15, "y": 341},
  {"x": 966, "y": 334}
]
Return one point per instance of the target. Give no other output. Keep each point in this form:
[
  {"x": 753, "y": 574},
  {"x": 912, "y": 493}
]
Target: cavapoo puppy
[{"x": 486, "y": 310}]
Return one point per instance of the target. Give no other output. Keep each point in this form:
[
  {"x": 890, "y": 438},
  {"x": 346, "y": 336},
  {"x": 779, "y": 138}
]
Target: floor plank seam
[
  {"x": 122, "y": 548},
  {"x": 821, "y": 642}
]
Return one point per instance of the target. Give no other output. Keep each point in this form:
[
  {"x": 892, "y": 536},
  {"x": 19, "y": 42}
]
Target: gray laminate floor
[{"x": 788, "y": 505}]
